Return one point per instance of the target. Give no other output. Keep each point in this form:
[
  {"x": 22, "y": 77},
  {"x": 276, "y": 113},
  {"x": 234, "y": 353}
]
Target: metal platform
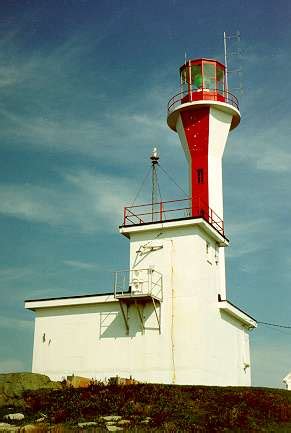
[
  {"x": 173, "y": 210},
  {"x": 139, "y": 287}
]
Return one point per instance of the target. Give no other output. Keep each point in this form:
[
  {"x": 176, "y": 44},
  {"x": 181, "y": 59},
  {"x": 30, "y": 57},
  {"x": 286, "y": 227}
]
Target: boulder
[
  {"x": 32, "y": 428},
  {"x": 113, "y": 428},
  {"x": 12, "y": 386},
  {"x": 87, "y": 424},
  {"x": 14, "y": 416},
  {"x": 109, "y": 418},
  {"x": 79, "y": 381},
  {"x": 4, "y": 427},
  {"x": 124, "y": 422}
]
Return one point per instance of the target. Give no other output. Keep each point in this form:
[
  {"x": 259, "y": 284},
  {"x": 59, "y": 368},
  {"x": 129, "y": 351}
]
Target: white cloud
[
  {"x": 14, "y": 273},
  {"x": 52, "y": 119},
  {"x": 82, "y": 265},
  {"x": 90, "y": 202},
  {"x": 262, "y": 141},
  {"x": 29, "y": 202},
  {"x": 115, "y": 136},
  {"x": 14, "y": 323},
  {"x": 276, "y": 160},
  {"x": 248, "y": 237},
  {"x": 9, "y": 76}
]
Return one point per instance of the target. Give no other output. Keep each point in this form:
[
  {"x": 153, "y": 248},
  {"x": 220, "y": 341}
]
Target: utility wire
[
  {"x": 147, "y": 175},
  {"x": 181, "y": 189},
  {"x": 170, "y": 177},
  {"x": 159, "y": 190},
  {"x": 142, "y": 185},
  {"x": 275, "y": 324}
]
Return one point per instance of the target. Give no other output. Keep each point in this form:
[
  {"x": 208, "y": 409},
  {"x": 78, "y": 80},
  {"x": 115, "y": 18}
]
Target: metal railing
[
  {"x": 172, "y": 210},
  {"x": 138, "y": 283},
  {"x": 194, "y": 94}
]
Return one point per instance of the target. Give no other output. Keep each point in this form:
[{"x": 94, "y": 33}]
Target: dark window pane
[
  {"x": 196, "y": 76},
  {"x": 200, "y": 175},
  {"x": 184, "y": 75},
  {"x": 220, "y": 77},
  {"x": 209, "y": 69},
  {"x": 209, "y": 75}
]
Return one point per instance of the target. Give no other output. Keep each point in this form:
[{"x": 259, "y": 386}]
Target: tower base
[{"x": 197, "y": 339}]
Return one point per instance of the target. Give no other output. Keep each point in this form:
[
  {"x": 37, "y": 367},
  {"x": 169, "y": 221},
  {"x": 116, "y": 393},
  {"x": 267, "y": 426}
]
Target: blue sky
[{"x": 83, "y": 93}]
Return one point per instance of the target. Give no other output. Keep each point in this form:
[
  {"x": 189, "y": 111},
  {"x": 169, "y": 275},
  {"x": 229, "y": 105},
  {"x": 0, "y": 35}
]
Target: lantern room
[
  {"x": 203, "y": 79},
  {"x": 203, "y": 82}
]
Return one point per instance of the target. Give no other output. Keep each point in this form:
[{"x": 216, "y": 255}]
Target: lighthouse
[
  {"x": 203, "y": 113},
  {"x": 167, "y": 318}
]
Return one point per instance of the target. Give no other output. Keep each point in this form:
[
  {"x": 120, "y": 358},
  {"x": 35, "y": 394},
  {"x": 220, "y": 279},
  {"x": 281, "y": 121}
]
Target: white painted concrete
[
  {"x": 208, "y": 341},
  {"x": 287, "y": 381},
  {"x": 68, "y": 302},
  {"x": 222, "y": 106},
  {"x": 91, "y": 341},
  {"x": 219, "y": 124},
  {"x": 183, "y": 140},
  {"x": 201, "y": 341}
]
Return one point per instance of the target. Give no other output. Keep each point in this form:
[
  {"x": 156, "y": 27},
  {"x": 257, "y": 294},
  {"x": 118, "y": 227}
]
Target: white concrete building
[
  {"x": 287, "y": 381},
  {"x": 167, "y": 320}
]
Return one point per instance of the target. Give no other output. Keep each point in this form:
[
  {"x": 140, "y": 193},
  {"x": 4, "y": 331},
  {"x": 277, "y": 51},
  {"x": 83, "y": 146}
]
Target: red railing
[
  {"x": 170, "y": 211},
  {"x": 193, "y": 94}
]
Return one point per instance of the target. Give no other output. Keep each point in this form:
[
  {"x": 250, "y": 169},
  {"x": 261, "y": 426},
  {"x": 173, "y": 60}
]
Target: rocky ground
[
  {"x": 12, "y": 386},
  {"x": 101, "y": 424},
  {"x": 32, "y": 403}
]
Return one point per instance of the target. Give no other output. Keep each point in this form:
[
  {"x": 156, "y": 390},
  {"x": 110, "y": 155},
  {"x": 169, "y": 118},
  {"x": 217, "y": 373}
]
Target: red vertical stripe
[{"x": 196, "y": 127}]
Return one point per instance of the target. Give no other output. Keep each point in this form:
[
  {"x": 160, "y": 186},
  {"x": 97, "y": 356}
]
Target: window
[
  {"x": 220, "y": 78},
  {"x": 207, "y": 248},
  {"x": 200, "y": 175},
  {"x": 185, "y": 75},
  {"x": 209, "y": 75},
  {"x": 196, "y": 76},
  {"x": 216, "y": 255}
]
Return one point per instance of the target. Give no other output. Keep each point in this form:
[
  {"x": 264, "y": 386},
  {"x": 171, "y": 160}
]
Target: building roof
[
  {"x": 66, "y": 301},
  {"x": 232, "y": 310}
]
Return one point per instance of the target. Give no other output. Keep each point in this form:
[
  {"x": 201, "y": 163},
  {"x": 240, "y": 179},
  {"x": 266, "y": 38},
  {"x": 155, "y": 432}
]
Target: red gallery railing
[
  {"x": 194, "y": 94},
  {"x": 170, "y": 211}
]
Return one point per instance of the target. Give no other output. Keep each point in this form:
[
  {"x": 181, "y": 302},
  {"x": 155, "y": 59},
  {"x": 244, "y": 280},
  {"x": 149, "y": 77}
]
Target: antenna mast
[
  {"x": 237, "y": 52},
  {"x": 155, "y": 160},
  {"x": 225, "y": 61}
]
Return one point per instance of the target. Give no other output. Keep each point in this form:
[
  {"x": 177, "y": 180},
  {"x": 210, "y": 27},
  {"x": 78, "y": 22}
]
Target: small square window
[
  {"x": 207, "y": 248},
  {"x": 200, "y": 175}
]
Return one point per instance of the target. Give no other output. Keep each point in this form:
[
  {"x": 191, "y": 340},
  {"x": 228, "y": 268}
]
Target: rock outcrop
[{"x": 12, "y": 386}]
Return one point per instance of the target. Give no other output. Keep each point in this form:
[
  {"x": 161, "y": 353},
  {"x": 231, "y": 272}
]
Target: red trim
[
  {"x": 173, "y": 210},
  {"x": 196, "y": 128},
  {"x": 199, "y": 61}
]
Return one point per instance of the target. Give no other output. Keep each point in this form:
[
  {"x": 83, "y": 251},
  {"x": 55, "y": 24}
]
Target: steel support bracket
[
  {"x": 158, "y": 315},
  {"x": 140, "y": 315},
  {"x": 124, "y": 310}
]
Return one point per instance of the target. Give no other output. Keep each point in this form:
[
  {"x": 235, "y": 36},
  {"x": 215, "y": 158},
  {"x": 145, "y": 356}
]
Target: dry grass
[{"x": 170, "y": 408}]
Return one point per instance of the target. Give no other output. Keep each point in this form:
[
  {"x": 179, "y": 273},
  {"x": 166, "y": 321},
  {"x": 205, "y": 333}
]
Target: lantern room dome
[
  {"x": 203, "y": 74},
  {"x": 203, "y": 82}
]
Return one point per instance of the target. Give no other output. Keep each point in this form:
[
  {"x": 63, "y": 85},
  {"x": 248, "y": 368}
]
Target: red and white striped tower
[{"x": 202, "y": 114}]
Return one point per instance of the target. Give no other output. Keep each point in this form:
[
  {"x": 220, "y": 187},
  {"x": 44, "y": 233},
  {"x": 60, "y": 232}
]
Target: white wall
[
  {"x": 91, "y": 341},
  {"x": 209, "y": 348},
  {"x": 219, "y": 125},
  {"x": 198, "y": 344}
]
